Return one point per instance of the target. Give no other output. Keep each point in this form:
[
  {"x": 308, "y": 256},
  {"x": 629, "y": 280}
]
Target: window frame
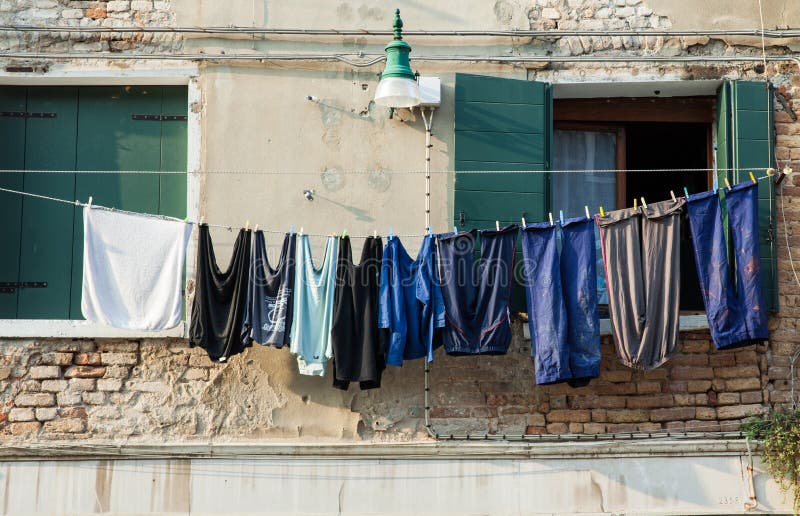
[{"x": 182, "y": 73}]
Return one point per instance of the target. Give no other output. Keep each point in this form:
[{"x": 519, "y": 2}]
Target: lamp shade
[
  {"x": 398, "y": 87},
  {"x": 398, "y": 92}
]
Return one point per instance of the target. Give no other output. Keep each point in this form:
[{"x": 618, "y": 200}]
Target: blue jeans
[
  {"x": 736, "y": 310},
  {"x": 561, "y": 293}
]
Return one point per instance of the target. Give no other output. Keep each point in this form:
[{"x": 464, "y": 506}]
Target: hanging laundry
[
  {"x": 476, "y": 295},
  {"x": 561, "y": 294},
  {"x": 220, "y": 299},
  {"x": 270, "y": 292},
  {"x": 133, "y": 269},
  {"x": 411, "y": 307},
  {"x": 313, "y": 307},
  {"x": 641, "y": 255},
  {"x": 358, "y": 355},
  {"x": 735, "y": 307}
]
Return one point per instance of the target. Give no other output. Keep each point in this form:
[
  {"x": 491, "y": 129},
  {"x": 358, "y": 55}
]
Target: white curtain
[{"x": 585, "y": 150}]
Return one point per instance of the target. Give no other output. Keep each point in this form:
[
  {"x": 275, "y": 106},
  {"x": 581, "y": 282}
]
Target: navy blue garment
[
  {"x": 476, "y": 296},
  {"x": 270, "y": 293},
  {"x": 736, "y": 310},
  {"x": 561, "y": 294},
  {"x": 410, "y": 302}
]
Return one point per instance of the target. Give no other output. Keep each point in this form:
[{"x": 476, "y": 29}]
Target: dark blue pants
[
  {"x": 476, "y": 296},
  {"x": 561, "y": 294},
  {"x": 736, "y": 310}
]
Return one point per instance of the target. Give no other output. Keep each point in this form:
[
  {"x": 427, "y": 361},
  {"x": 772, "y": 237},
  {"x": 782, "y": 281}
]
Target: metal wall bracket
[
  {"x": 161, "y": 118},
  {"x": 26, "y": 114},
  {"x": 9, "y": 287}
]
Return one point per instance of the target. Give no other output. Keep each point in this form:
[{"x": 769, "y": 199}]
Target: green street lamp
[{"x": 398, "y": 87}]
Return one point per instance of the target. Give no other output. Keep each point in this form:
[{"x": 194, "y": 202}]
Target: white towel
[{"x": 132, "y": 269}]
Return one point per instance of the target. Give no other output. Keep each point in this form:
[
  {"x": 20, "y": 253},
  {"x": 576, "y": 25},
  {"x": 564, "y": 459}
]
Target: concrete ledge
[{"x": 70, "y": 450}]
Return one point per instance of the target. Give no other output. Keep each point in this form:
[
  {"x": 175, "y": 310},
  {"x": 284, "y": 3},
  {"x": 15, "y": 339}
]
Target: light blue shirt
[{"x": 313, "y": 307}]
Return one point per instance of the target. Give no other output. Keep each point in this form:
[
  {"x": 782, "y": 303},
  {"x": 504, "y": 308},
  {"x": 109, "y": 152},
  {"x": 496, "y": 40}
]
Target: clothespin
[
  {"x": 561, "y": 216},
  {"x": 635, "y": 203},
  {"x": 550, "y": 216},
  {"x": 247, "y": 225},
  {"x": 524, "y": 223},
  {"x": 344, "y": 233},
  {"x": 770, "y": 171},
  {"x": 727, "y": 184},
  {"x": 753, "y": 178},
  {"x": 586, "y": 209},
  {"x": 375, "y": 234},
  {"x": 430, "y": 231},
  {"x": 391, "y": 233},
  {"x": 255, "y": 228},
  {"x": 602, "y": 213},
  {"x": 455, "y": 229},
  {"x": 685, "y": 193},
  {"x": 497, "y": 225},
  {"x": 644, "y": 204},
  {"x": 301, "y": 230},
  {"x": 90, "y": 202},
  {"x": 291, "y": 230},
  {"x": 672, "y": 194},
  {"x": 202, "y": 220}
]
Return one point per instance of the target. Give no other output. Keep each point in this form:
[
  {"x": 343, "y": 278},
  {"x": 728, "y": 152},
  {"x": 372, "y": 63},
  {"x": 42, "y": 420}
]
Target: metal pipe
[
  {"x": 372, "y": 59},
  {"x": 775, "y": 34}
]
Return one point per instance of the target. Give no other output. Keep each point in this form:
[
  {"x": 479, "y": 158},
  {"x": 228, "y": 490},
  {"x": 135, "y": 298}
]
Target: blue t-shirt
[{"x": 410, "y": 305}]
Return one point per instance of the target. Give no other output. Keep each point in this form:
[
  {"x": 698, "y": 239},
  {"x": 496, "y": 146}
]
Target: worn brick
[
  {"x": 84, "y": 372},
  {"x": 576, "y": 428},
  {"x": 722, "y": 360},
  {"x": 593, "y": 401},
  {"x": 96, "y": 14},
  {"x": 117, "y": 372},
  {"x": 706, "y": 413},
  {"x": 683, "y": 400},
  {"x": 691, "y": 373},
  {"x": 739, "y": 411},
  {"x": 45, "y": 413},
  {"x": 148, "y": 386},
  {"x": 54, "y": 385},
  {"x": 94, "y": 398},
  {"x": 535, "y": 430},
  {"x": 5, "y": 372},
  {"x": 616, "y": 376},
  {"x": 65, "y": 426},
  {"x": 689, "y": 359},
  {"x": 653, "y": 401},
  {"x": 30, "y": 427},
  {"x": 695, "y": 386},
  {"x": 557, "y": 428},
  {"x": 752, "y": 397},
  {"x": 746, "y": 357},
  {"x": 728, "y": 398},
  {"x": 39, "y": 399},
  {"x": 536, "y": 420},
  {"x": 673, "y": 414},
  {"x": 44, "y": 372},
  {"x": 119, "y": 358},
  {"x": 750, "y": 371},
  {"x": 743, "y": 384},
  {"x": 627, "y": 416},
  {"x": 73, "y": 412},
  {"x": 67, "y": 398},
  {"x": 621, "y": 428},
  {"x": 118, "y": 5},
  {"x": 594, "y": 428},
  {"x": 655, "y": 374},
  {"x": 695, "y": 346},
  {"x": 648, "y": 387},
  {"x": 58, "y": 359},
  {"x": 91, "y": 359},
  {"x": 82, "y": 384},
  {"x": 568, "y": 416},
  {"x": 109, "y": 384},
  {"x": 21, "y": 414},
  {"x": 615, "y": 388},
  {"x": 196, "y": 373},
  {"x": 30, "y": 386}
]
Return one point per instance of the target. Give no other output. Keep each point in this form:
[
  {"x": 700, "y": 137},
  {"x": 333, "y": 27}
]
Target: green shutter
[
  {"x": 172, "y": 194},
  {"x": 501, "y": 124},
  {"x": 745, "y": 140},
  {"x": 46, "y": 225},
  {"x": 12, "y": 134}
]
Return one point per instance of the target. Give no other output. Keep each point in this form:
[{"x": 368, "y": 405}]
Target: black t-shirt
[
  {"x": 358, "y": 350},
  {"x": 271, "y": 293},
  {"x": 220, "y": 299}
]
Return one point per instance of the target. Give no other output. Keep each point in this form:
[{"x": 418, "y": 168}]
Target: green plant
[{"x": 780, "y": 434}]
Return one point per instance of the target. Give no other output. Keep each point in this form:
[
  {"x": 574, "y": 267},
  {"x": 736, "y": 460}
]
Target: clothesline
[
  {"x": 368, "y": 172},
  {"x": 221, "y": 226}
]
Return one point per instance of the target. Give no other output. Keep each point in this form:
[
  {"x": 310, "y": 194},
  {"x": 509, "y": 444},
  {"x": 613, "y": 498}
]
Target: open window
[{"x": 700, "y": 127}]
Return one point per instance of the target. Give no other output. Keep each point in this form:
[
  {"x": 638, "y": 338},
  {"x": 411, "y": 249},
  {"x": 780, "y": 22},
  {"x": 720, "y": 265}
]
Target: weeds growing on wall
[{"x": 780, "y": 433}]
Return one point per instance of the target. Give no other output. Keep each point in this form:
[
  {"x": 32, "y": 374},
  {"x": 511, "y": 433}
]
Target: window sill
[
  {"x": 57, "y": 328},
  {"x": 687, "y": 323}
]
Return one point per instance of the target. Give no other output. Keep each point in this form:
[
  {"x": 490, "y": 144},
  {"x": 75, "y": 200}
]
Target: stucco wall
[{"x": 254, "y": 117}]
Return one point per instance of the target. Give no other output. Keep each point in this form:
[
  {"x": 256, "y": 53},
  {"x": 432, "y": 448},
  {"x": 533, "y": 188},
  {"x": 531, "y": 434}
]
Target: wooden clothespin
[
  {"x": 291, "y": 230},
  {"x": 524, "y": 223},
  {"x": 672, "y": 194},
  {"x": 90, "y": 202},
  {"x": 635, "y": 203},
  {"x": 497, "y": 225},
  {"x": 301, "y": 231},
  {"x": 391, "y": 233},
  {"x": 727, "y": 184},
  {"x": 685, "y": 193},
  {"x": 561, "y": 216},
  {"x": 255, "y": 228},
  {"x": 753, "y": 178},
  {"x": 586, "y": 209},
  {"x": 247, "y": 225},
  {"x": 375, "y": 234},
  {"x": 550, "y": 216},
  {"x": 602, "y": 213},
  {"x": 770, "y": 171},
  {"x": 644, "y": 204}
]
